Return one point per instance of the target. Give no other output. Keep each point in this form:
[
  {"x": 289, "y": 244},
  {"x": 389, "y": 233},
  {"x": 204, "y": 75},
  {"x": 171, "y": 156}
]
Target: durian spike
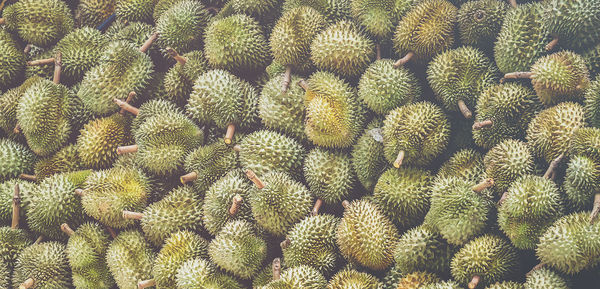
[
  {"x": 596, "y": 208},
  {"x": 504, "y": 196},
  {"x": 126, "y": 106},
  {"x": 536, "y": 267},
  {"x": 27, "y": 49},
  {"x": 236, "y": 201},
  {"x": 132, "y": 215},
  {"x": 17, "y": 129},
  {"x": 2, "y": 21},
  {"x": 551, "y": 171},
  {"x": 41, "y": 62},
  {"x": 517, "y": 75},
  {"x": 129, "y": 99},
  {"x": 483, "y": 185},
  {"x": 27, "y": 284},
  {"x": 345, "y": 204},
  {"x": 466, "y": 112},
  {"x": 404, "y": 59},
  {"x": 66, "y": 229},
  {"x": 285, "y": 243},
  {"x": 188, "y": 178},
  {"x": 16, "y": 207},
  {"x": 237, "y": 148},
  {"x": 399, "y": 159},
  {"x": 474, "y": 282},
  {"x": 148, "y": 42},
  {"x": 287, "y": 78},
  {"x": 481, "y": 124},
  {"x": 229, "y": 133},
  {"x": 146, "y": 283},
  {"x": 38, "y": 240},
  {"x": 552, "y": 43},
  {"x": 378, "y": 51},
  {"x": 252, "y": 176},
  {"x": 127, "y": 149},
  {"x": 28, "y": 177},
  {"x": 276, "y": 269},
  {"x": 79, "y": 192},
  {"x": 180, "y": 59},
  {"x": 302, "y": 83},
  {"x": 317, "y": 207},
  {"x": 111, "y": 231},
  {"x": 513, "y": 3},
  {"x": 57, "y": 67},
  {"x": 106, "y": 22}
]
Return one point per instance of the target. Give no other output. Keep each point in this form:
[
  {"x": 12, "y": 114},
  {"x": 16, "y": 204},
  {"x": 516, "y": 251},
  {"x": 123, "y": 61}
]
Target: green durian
[
  {"x": 368, "y": 160},
  {"x": 592, "y": 60},
  {"x": 9, "y": 102},
  {"x": 264, "y": 11},
  {"x": 43, "y": 264},
  {"x": 422, "y": 249},
  {"x": 391, "y": 278},
  {"x": 329, "y": 175},
  {"x": 332, "y": 10},
  {"x": 586, "y": 142},
  {"x": 299, "y": 277},
  {"x": 12, "y": 243},
  {"x": 416, "y": 280},
  {"x": 15, "y": 159},
  {"x": 581, "y": 182},
  {"x": 200, "y": 273},
  {"x": 348, "y": 279},
  {"x": 137, "y": 33},
  {"x": 12, "y": 60},
  {"x": 443, "y": 284},
  {"x": 264, "y": 151},
  {"x": 207, "y": 164},
  {"x": 479, "y": 22},
  {"x": 378, "y": 18},
  {"x": 467, "y": 164},
  {"x": 150, "y": 109},
  {"x": 134, "y": 10},
  {"x": 181, "y": 26},
  {"x": 179, "y": 80},
  {"x": 7, "y": 193},
  {"x": 506, "y": 162},
  {"x": 99, "y": 139},
  {"x": 80, "y": 51},
  {"x": 4, "y": 275},
  {"x": 177, "y": 249},
  {"x": 592, "y": 103},
  {"x": 91, "y": 13},
  {"x": 130, "y": 259},
  {"x": 65, "y": 160},
  {"x": 573, "y": 23},
  {"x": 545, "y": 279},
  {"x": 162, "y": 6},
  {"x": 505, "y": 285},
  {"x": 45, "y": 70}
]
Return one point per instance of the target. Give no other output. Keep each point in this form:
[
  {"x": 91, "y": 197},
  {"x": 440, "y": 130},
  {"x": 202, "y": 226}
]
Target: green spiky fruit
[
  {"x": 585, "y": 141},
  {"x": 383, "y": 87},
  {"x": 329, "y": 175},
  {"x": 236, "y": 43},
  {"x": 9, "y": 102},
  {"x": 368, "y": 160},
  {"x": 299, "y": 277},
  {"x": 507, "y": 162},
  {"x": 65, "y": 160},
  {"x": 573, "y": 23},
  {"x": 417, "y": 279},
  {"x": 7, "y": 192},
  {"x": 391, "y": 278},
  {"x": 312, "y": 243},
  {"x": 403, "y": 195},
  {"x": 341, "y": 48},
  {"x": 12, "y": 242},
  {"x": 283, "y": 111},
  {"x": 592, "y": 104},
  {"x": 522, "y": 38},
  {"x": 81, "y": 50},
  {"x": 179, "y": 80},
  {"x": 467, "y": 164},
  {"x": 459, "y": 76},
  {"x": 510, "y": 107},
  {"x": 5, "y": 275},
  {"x": 379, "y": 18},
  {"x": 237, "y": 249},
  {"x": 45, "y": 263},
  {"x": 347, "y": 279},
  {"x": 426, "y": 30},
  {"x": 220, "y": 198},
  {"x": 332, "y": 10},
  {"x": 418, "y": 130},
  {"x": 178, "y": 248},
  {"x": 544, "y": 278},
  {"x": 134, "y": 10},
  {"x": 86, "y": 251},
  {"x": 135, "y": 33},
  {"x": 130, "y": 259},
  {"x": 442, "y": 285},
  {"x": 15, "y": 159},
  {"x": 181, "y": 26},
  {"x": 162, "y": 6},
  {"x": 592, "y": 60},
  {"x": 505, "y": 285},
  {"x": 334, "y": 115},
  {"x": 12, "y": 60},
  {"x": 366, "y": 236},
  {"x": 489, "y": 257},
  {"x": 265, "y": 11},
  {"x": 422, "y": 249},
  {"x": 200, "y": 273},
  {"x": 210, "y": 163},
  {"x": 280, "y": 204},
  {"x": 152, "y": 108},
  {"x": 581, "y": 182},
  {"x": 550, "y": 131},
  {"x": 98, "y": 141},
  {"x": 92, "y": 13},
  {"x": 43, "y": 71},
  {"x": 479, "y": 22},
  {"x": 264, "y": 151}
]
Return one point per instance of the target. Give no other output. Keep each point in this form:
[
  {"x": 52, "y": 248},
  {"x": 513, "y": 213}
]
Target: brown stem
[
  {"x": 317, "y": 207},
  {"x": 38, "y": 240},
  {"x": 57, "y": 67},
  {"x": 404, "y": 59},
  {"x": 481, "y": 124},
  {"x": 536, "y": 267},
  {"x": 129, "y": 99},
  {"x": 276, "y": 269},
  {"x": 16, "y": 207},
  {"x": 132, "y": 215},
  {"x": 66, "y": 229},
  {"x": 27, "y": 49},
  {"x": 28, "y": 177},
  {"x": 550, "y": 172},
  {"x": 399, "y": 159},
  {"x": 127, "y": 149},
  {"x": 517, "y": 75},
  {"x": 17, "y": 129},
  {"x": 237, "y": 148},
  {"x": 303, "y": 84},
  {"x": 111, "y": 231},
  {"x": 236, "y": 201},
  {"x": 148, "y": 42},
  {"x": 2, "y": 21},
  {"x": 27, "y": 284},
  {"x": 214, "y": 10},
  {"x": 464, "y": 109},
  {"x": 126, "y": 106},
  {"x": 552, "y": 43},
  {"x": 146, "y": 284},
  {"x": 345, "y": 204},
  {"x": 504, "y": 196},
  {"x": 287, "y": 78},
  {"x": 252, "y": 176},
  {"x": 596, "y": 208},
  {"x": 79, "y": 192},
  {"x": 189, "y": 177},
  {"x": 513, "y": 3},
  {"x": 483, "y": 185},
  {"x": 39, "y": 62},
  {"x": 229, "y": 133},
  {"x": 378, "y": 51},
  {"x": 474, "y": 282},
  {"x": 173, "y": 53},
  {"x": 286, "y": 243}
]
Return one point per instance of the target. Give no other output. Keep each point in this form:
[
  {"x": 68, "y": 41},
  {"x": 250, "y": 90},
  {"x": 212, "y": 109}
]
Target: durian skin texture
[
  {"x": 545, "y": 278},
  {"x": 422, "y": 249},
  {"x": 12, "y": 242},
  {"x": 210, "y": 162},
  {"x": 264, "y": 151},
  {"x": 417, "y": 279},
  {"x": 507, "y": 162},
  {"x": 130, "y": 259},
  {"x": 15, "y": 159},
  {"x": 581, "y": 182},
  {"x": 4, "y": 275},
  {"x": 65, "y": 160},
  {"x": 467, "y": 164},
  {"x": 299, "y": 277},
  {"x": 346, "y": 279},
  {"x": 135, "y": 10},
  {"x": 368, "y": 159},
  {"x": 181, "y": 26},
  {"x": 179, "y": 80},
  {"x": 442, "y": 285},
  {"x": 329, "y": 175},
  {"x": 575, "y": 23},
  {"x": 479, "y": 22},
  {"x": 98, "y": 141},
  {"x": 7, "y": 192},
  {"x": 592, "y": 103},
  {"x": 12, "y": 61},
  {"x": 46, "y": 263},
  {"x": 283, "y": 112},
  {"x": 86, "y": 251},
  {"x": 81, "y": 50},
  {"x": 92, "y": 13}
]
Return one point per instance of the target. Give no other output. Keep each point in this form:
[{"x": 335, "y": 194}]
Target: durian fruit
[
  {"x": 236, "y": 43},
  {"x": 238, "y": 249},
  {"x": 549, "y": 132},
  {"x": 39, "y": 22},
  {"x": 391, "y": 278},
  {"x": 40, "y": 63},
  {"x": 459, "y": 211},
  {"x": 9, "y": 102},
  {"x": 416, "y": 280},
  {"x": 570, "y": 244},
  {"x": 86, "y": 252},
  {"x": 592, "y": 60},
  {"x": 485, "y": 260},
  {"x": 581, "y": 182},
  {"x": 504, "y": 111},
  {"x": 7, "y": 199},
  {"x": 265, "y": 11},
  {"x": 15, "y": 159},
  {"x": 329, "y": 175},
  {"x": 332, "y": 10},
  {"x": 458, "y": 76},
  {"x": 283, "y": 111},
  {"x": 378, "y": 18},
  {"x": 467, "y": 164},
  {"x": 592, "y": 103},
  {"x": 137, "y": 33},
  {"x": 99, "y": 139},
  {"x": 506, "y": 162},
  {"x": 348, "y": 279},
  {"x": 200, "y": 273},
  {"x": 179, "y": 80},
  {"x": 42, "y": 265},
  {"x": 162, "y": 6},
  {"x": 572, "y": 23},
  {"x": 544, "y": 278},
  {"x": 181, "y": 209},
  {"x": 148, "y": 110},
  {"x": 341, "y": 48},
  {"x": 222, "y": 99},
  {"x": 403, "y": 195},
  {"x": 383, "y": 88},
  {"x": 298, "y": 277},
  {"x": 558, "y": 77},
  {"x": 366, "y": 236},
  {"x": 181, "y": 26},
  {"x": 130, "y": 259},
  {"x": 442, "y": 285},
  {"x": 264, "y": 151},
  {"x": 505, "y": 285},
  {"x": 311, "y": 242},
  {"x": 585, "y": 142},
  {"x": 13, "y": 241},
  {"x": 425, "y": 31},
  {"x": 415, "y": 134},
  {"x": 12, "y": 60},
  {"x": 368, "y": 160},
  {"x": 334, "y": 115},
  {"x": 4, "y": 275},
  {"x": 479, "y": 22},
  {"x": 207, "y": 164},
  {"x": 422, "y": 249},
  {"x": 134, "y": 10},
  {"x": 92, "y": 13},
  {"x": 522, "y": 38},
  {"x": 278, "y": 201},
  {"x": 65, "y": 160}
]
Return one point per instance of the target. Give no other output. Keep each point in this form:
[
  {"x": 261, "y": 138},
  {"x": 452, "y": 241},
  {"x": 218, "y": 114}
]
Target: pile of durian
[{"x": 299, "y": 144}]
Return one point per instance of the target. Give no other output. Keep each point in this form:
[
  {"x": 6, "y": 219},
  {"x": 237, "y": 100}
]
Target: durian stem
[
  {"x": 502, "y": 198},
  {"x": 345, "y": 204},
  {"x": 474, "y": 282},
  {"x": 106, "y": 22},
  {"x": 229, "y": 133},
  {"x": 27, "y": 49},
  {"x": 551, "y": 171},
  {"x": 552, "y": 43},
  {"x": 517, "y": 75},
  {"x": 132, "y": 215},
  {"x": 146, "y": 284},
  {"x": 596, "y": 208},
  {"x": 127, "y": 149},
  {"x": 303, "y": 84},
  {"x": 286, "y": 243},
  {"x": 57, "y": 67},
  {"x": 513, "y": 3},
  {"x": 66, "y": 229},
  {"x": 536, "y": 267},
  {"x": 276, "y": 269},
  {"x": 79, "y": 192},
  {"x": 378, "y": 51},
  {"x": 38, "y": 240},
  {"x": 28, "y": 177},
  {"x": 111, "y": 231},
  {"x": 17, "y": 129},
  {"x": 252, "y": 176},
  {"x": 16, "y": 207},
  {"x": 399, "y": 159},
  {"x": 317, "y": 207},
  {"x": 237, "y": 148},
  {"x": 483, "y": 185},
  {"x": 2, "y": 21},
  {"x": 236, "y": 201},
  {"x": 129, "y": 99},
  {"x": 148, "y": 42},
  {"x": 404, "y": 59},
  {"x": 126, "y": 106},
  {"x": 173, "y": 53},
  {"x": 466, "y": 112},
  {"x": 481, "y": 124},
  {"x": 27, "y": 284},
  {"x": 287, "y": 78},
  {"x": 189, "y": 177},
  {"x": 41, "y": 62}
]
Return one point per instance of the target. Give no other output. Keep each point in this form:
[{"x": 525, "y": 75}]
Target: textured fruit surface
[
  {"x": 46, "y": 263},
  {"x": 179, "y": 247},
  {"x": 422, "y": 249},
  {"x": 329, "y": 175},
  {"x": 98, "y": 141},
  {"x": 181, "y": 26},
  {"x": 86, "y": 251},
  {"x": 507, "y": 162},
  {"x": 15, "y": 159},
  {"x": 264, "y": 151},
  {"x": 130, "y": 259},
  {"x": 283, "y": 111},
  {"x": 346, "y": 279},
  {"x": 479, "y": 22},
  {"x": 368, "y": 160}
]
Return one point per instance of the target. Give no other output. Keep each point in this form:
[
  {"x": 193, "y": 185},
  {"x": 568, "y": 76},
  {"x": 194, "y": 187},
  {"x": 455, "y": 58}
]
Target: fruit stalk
[
  {"x": 146, "y": 283},
  {"x": 27, "y": 284},
  {"x": 474, "y": 282},
  {"x": 173, "y": 53},
  {"x": 399, "y": 159},
  {"x": 517, "y": 75},
  {"x": 552, "y": 43},
  {"x": 596, "y": 208},
  {"x": 132, "y": 215},
  {"x": 129, "y": 99},
  {"x": 276, "y": 269},
  {"x": 188, "y": 178},
  {"x": 126, "y": 106},
  {"x": 127, "y": 149},
  {"x": 148, "y": 42},
  {"x": 483, "y": 185},
  {"x": 285, "y": 243},
  {"x": 466, "y": 112},
  {"x": 551, "y": 171},
  {"x": 481, "y": 124},
  {"x": 287, "y": 78},
  {"x": 404, "y": 59},
  {"x": 302, "y": 83},
  {"x": 317, "y": 207},
  {"x": 41, "y": 61},
  {"x": 16, "y": 206},
  {"x": 66, "y": 229},
  {"x": 57, "y": 67},
  {"x": 236, "y": 201},
  {"x": 252, "y": 176},
  {"x": 28, "y": 177},
  {"x": 229, "y": 134}
]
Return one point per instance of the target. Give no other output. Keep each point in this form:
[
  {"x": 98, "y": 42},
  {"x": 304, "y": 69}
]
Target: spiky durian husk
[
  {"x": 417, "y": 279},
  {"x": 461, "y": 74},
  {"x": 383, "y": 87},
  {"x": 479, "y": 22},
  {"x": 573, "y": 22},
  {"x": 152, "y": 108},
  {"x": 507, "y": 162},
  {"x": 46, "y": 263},
  {"x": 312, "y": 243},
  {"x": 42, "y": 71},
  {"x": 366, "y": 236},
  {"x": 550, "y": 131},
  {"x": 329, "y": 175},
  {"x": 137, "y": 33},
  {"x": 592, "y": 104},
  {"x": 218, "y": 200},
  {"x": 15, "y": 159},
  {"x": 592, "y": 60},
  {"x": 490, "y": 257},
  {"x": 99, "y": 139},
  {"x": 265, "y": 11},
  {"x": 135, "y": 10},
  {"x": 298, "y": 277},
  {"x": 283, "y": 112},
  {"x": 391, "y": 278},
  {"x": 368, "y": 160},
  {"x": 12, "y": 242},
  {"x": 7, "y": 192},
  {"x": 86, "y": 251},
  {"x": 9, "y": 102},
  {"x": 581, "y": 182},
  {"x": 12, "y": 61},
  {"x": 4, "y": 275},
  {"x": 586, "y": 141},
  {"x": 81, "y": 50},
  {"x": 200, "y": 273},
  {"x": 419, "y": 129},
  {"x": 264, "y": 151},
  {"x": 178, "y": 248},
  {"x": 210, "y": 162},
  {"x": 379, "y": 18},
  {"x": 332, "y": 10},
  {"x": 238, "y": 250},
  {"x": 544, "y": 278},
  {"x": 426, "y": 30},
  {"x": 65, "y": 160},
  {"x": 442, "y": 285},
  {"x": 182, "y": 25},
  {"x": 467, "y": 164},
  {"x": 92, "y": 13},
  {"x": 130, "y": 259},
  {"x": 422, "y": 249},
  {"x": 505, "y": 285},
  {"x": 348, "y": 279},
  {"x": 179, "y": 80}
]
